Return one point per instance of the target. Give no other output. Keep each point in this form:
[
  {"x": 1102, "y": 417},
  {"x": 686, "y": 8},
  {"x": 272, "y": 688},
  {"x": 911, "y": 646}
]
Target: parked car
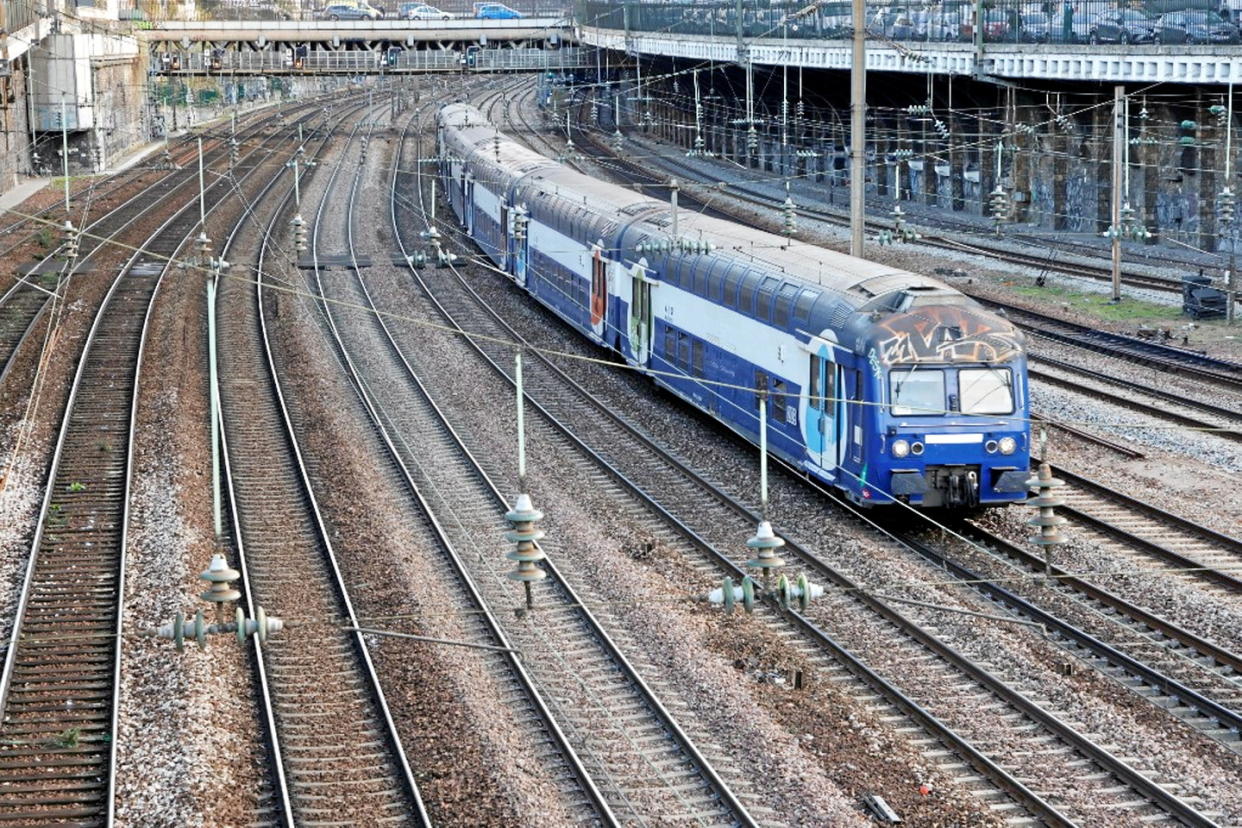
[
  {"x": 421, "y": 11},
  {"x": 1035, "y": 28},
  {"x": 1000, "y": 25},
  {"x": 1122, "y": 26},
  {"x": 496, "y": 11},
  {"x": 350, "y": 11},
  {"x": 1195, "y": 27}
]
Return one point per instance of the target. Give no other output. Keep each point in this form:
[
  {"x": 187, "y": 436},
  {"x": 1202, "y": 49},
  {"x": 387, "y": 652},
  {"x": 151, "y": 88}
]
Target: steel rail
[
  {"x": 268, "y": 717},
  {"x": 374, "y": 687},
  {"x": 1122, "y": 770},
  {"x": 1003, "y": 780},
  {"x": 85, "y": 364},
  {"x": 446, "y": 547}
]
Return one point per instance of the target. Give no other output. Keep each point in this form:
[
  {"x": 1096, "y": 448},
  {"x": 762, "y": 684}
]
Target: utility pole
[
  {"x": 858, "y": 114},
  {"x": 1231, "y": 287},
  {"x": 1119, "y": 159},
  {"x": 64, "y": 146}
]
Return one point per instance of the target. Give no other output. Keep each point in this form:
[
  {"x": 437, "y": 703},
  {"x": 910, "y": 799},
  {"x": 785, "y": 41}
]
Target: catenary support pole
[
  {"x": 858, "y": 114},
  {"x": 1118, "y": 164}
]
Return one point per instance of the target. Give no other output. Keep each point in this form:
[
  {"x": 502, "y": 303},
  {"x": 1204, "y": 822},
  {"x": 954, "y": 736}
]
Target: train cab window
[
  {"x": 916, "y": 391},
  {"x": 985, "y": 390},
  {"x": 696, "y": 358}
]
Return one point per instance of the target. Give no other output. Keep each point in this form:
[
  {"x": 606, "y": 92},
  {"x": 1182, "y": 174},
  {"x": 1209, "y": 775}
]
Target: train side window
[
  {"x": 779, "y": 400},
  {"x": 803, "y": 305},
  {"x": 670, "y": 344},
  {"x": 815, "y": 397},
  {"x": 784, "y": 299},
  {"x": 761, "y": 387},
  {"x": 683, "y": 350},
  {"x": 746, "y": 295},
  {"x": 696, "y": 359},
  {"x": 731, "y": 278},
  {"x": 716, "y": 281},
  {"x": 767, "y": 291}
]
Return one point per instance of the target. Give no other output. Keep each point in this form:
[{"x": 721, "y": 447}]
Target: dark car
[
  {"x": 1122, "y": 26},
  {"x": 1035, "y": 28},
  {"x": 1000, "y": 25},
  {"x": 1195, "y": 27}
]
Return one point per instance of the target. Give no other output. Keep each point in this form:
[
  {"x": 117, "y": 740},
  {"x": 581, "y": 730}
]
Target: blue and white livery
[{"x": 883, "y": 383}]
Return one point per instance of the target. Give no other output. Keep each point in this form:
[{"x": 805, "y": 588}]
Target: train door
[
  {"x": 468, "y": 201},
  {"x": 599, "y": 289},
  {"x": 519, "y": 234},
  {"x": 506, "y": 233},
  {"x": 640, "y": 327},
  {"x": 822, "y": 416}
]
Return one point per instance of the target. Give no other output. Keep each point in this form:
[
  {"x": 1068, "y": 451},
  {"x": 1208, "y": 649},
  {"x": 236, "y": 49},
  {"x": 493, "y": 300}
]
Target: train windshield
[
  {"x": 916, "y": 391},
  {"x": 985, "y": 390}
]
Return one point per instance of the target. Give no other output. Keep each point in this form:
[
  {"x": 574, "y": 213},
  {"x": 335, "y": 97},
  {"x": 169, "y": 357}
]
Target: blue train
[{"x": 883, "y": 383}]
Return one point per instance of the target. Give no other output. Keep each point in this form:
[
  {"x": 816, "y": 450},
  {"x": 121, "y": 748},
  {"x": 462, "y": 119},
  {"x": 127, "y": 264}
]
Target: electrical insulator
[
  {"x": 520, "y": 219},
  {"x": 299, "y": 232},
  {"x": 1220, "y": 112},
  {"x": 752, "y": 140},
  {"x": 999, "y": 202},
  {"x": 800, "y": 109},
  {"x": 791, "y": 217},
  {"x": 1225, "y": 206},
  {"x": 71, "y": 240},
  {"x": 1187, "y": 129},
  {"x": 618, "y": 140},
  {"x": 941, "y": 128}
]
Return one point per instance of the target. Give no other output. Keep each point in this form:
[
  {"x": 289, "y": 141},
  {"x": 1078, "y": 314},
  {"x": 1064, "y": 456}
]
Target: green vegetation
[
  {"x": 76, "y": 486},
  {"x": 1097, "y": 305}
]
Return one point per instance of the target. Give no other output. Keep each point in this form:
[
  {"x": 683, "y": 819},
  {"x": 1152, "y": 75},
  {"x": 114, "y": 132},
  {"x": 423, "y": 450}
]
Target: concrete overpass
[
  {"x": 258, "y": 34},
  {"x": 1199, "y": 65}
]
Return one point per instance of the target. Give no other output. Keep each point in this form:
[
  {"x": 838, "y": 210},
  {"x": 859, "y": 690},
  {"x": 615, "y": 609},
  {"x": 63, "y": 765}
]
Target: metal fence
[
  {"x": 402, "y": 60},
  {"x": 1157, "y": 22}
]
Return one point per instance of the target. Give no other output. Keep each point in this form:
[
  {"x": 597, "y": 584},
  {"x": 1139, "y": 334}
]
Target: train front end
[{"x": 950, "y": 412}]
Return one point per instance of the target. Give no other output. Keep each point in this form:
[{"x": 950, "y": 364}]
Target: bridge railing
[
  {"x": 367, "y": 62},
  {"x": 1205, "y": 22}
]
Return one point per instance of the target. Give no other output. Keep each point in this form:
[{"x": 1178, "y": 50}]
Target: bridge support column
[
  {"x": 1060, "y": 176},
  {"x": 1149, "y": 155},
  {"x": 903, "y": 164},
  {"x": 986, "y": 153},
  {"x": 1023, "y": 143},
  {"x": 1101, "y": 125},
  {"x": 1208, "y": 176},
  {"x": 931, "y": 179},
  {"x": 957, "y": 166}
]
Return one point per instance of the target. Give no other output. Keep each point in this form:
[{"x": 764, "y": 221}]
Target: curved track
[
  {"x": 59, "y": 689},
  {"x": 336, "y": 754}
]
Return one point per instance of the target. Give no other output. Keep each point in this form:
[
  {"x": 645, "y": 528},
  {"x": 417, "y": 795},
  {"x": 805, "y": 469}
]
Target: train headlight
[
  {"x": 900, "y": 448},
  {"x": 917, "y": 448},
  {"x": 1008, "y": 445}
]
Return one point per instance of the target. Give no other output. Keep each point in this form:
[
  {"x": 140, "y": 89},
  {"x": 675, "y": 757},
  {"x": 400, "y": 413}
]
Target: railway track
[
  {"x": 1199, "y": 366},
  {"x": 703, "y": 512},
  {"x": 59, "y": 688},
  {"x": 815, "y": 566},
  {"x": 335, "y": 753},
  {"x": 631, "y": 745},
  {"x": 1194, "y": 551},
  {"x": 25, "y": 300},
  {"x": 1047, "y": 260}
]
